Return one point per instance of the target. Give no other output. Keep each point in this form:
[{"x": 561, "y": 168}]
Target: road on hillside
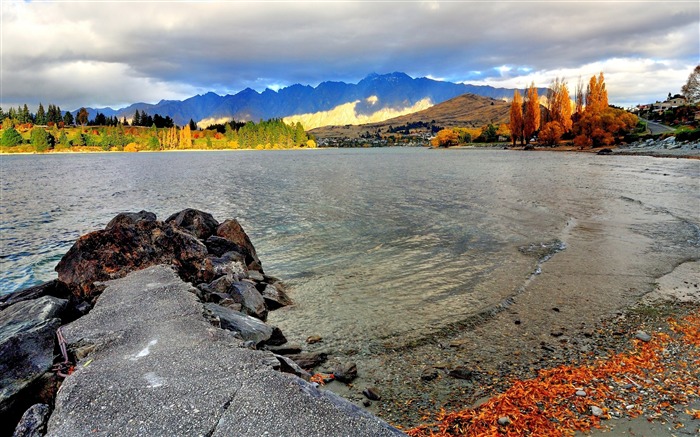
[{"x": 657, "y": 128}]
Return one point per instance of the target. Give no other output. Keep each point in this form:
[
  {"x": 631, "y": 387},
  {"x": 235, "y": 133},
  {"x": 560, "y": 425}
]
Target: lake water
[{"x": 381, "y": 247}]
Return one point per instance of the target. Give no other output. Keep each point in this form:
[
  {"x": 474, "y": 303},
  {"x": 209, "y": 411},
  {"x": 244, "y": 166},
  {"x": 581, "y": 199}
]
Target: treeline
[
  {"x": 44, "y": 117},
  {"x": 272, "y": 134}
]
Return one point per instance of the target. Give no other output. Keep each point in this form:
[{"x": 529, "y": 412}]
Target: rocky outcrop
[
  {"x": 148, "y": 270},
  {"x": 198, "y": 246},
  {"x": 162, "y": 369}
]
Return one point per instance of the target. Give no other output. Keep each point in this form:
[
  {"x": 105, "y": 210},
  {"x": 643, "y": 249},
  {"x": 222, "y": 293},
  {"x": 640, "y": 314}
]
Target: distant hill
[
  {"x": 467, "y": 110},
  {"x": 372, "y": 98}
]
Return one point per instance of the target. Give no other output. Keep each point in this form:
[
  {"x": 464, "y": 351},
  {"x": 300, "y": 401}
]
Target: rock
[
  {"x": 581, "y": 393},
  {"x": 643, "y": 336},
  {"x": 160, "y": 369},
  {"x": 33, "y": 422},
  {"x": 288, "y": 365},
  {"x": 285, "y": 349},
  {"x": 429, "y": 373},
  {"x": 249, "y": 297},
  {"x": 125, "y": 247},
  {"x": 314, "y": 339},
  {"x": 256, "y": 276},
  {"x": 230, "y": 263},
  {"x": 130, "y": 219},
  {"x": 345, "y": 372},
  {"x": 372, "y": 394},
  {"x": 275, "y": 296},
  {"x": 604, "y": 152},
  {"x": 53, "y": 288},
  {"x": 27, "y": 337},
  {"x": 556, "y": 333},
  {"x": 277, "y": 338},
  {"x": 232, "y": 231},
  {"x": 200, "y": 224},
  {"x": 366, "y": 402},
  {"x": 219, "y": 245},
  {"x": 461, "y": 372},
  {"x": 249, "y": 328},
  {"x": 596, "y": 411},
  {"x": 309, "y": 360},
  {"x": 503, "y": 421}
]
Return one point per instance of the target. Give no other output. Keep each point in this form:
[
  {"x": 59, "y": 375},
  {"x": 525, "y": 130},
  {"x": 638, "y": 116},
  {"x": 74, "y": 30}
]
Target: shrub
[
  {"x": 688, "y": 135},
  {"x": 11, "y": 138}
]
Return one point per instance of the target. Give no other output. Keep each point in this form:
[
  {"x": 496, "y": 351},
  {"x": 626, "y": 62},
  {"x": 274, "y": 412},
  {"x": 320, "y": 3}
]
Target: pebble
[
  {"x": 371, "y": 394},
  {"x": 314, "y": 339},
  {"x": 580, "y": 393},
  {"x": 429, "y": 373},
  {"x": 596, "y": 411},
  {"x": 641, "y": 335},
  {"x": 503, "y": 421}
]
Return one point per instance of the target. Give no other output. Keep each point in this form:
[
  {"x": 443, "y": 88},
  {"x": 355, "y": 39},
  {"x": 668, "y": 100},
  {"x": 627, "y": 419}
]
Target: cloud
[{"x": 115, "y": 53}]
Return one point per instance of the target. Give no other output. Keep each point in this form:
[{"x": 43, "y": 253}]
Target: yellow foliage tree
[
  {"x": 531, "y": 115},
  {"x": 445, "y": 138},
  {"x": 186, "y": 137},
  {"x": 516, "y": 118}
]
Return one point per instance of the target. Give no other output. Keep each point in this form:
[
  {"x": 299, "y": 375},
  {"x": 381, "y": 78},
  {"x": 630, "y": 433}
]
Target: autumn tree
[
  {"x": 559, "y": 113},
  {"x": 579, "y": 98},
  {"x": 516, "y": 118},
  {"x": 596, "y": 95},
  {"x": 445, "y": 138},
  {"x": 186, "y": 137},
  {"x": 531, "y": 115},
  {"x": 691, "y": 90},
  {"x": 82, "y": 117}
]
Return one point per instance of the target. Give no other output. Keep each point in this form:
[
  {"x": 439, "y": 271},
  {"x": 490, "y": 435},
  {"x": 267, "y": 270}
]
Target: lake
[{"x": 382, "y": 248}]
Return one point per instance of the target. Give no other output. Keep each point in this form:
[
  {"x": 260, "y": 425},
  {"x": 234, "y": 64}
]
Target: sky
[{"x": 114, "y": 53}]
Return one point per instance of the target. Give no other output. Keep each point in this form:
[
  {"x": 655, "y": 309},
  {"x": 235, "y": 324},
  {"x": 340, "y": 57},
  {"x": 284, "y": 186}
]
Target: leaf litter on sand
[{"x": 649, "y": 380}]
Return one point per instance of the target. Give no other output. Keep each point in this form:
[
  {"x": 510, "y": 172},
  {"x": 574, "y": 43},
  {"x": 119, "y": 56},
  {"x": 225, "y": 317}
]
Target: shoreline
[{"x": 677, "y": 295}]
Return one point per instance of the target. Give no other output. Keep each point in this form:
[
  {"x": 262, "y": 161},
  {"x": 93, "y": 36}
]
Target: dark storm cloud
[{"x": 111, "y": 53}]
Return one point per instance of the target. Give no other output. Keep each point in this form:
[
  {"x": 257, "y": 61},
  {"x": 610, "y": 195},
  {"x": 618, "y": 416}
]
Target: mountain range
[{"x": 374, "y": 98}]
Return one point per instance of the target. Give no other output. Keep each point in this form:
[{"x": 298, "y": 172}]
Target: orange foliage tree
[
  {"x": 516, "y": 118},
  {"x": 559, "y": 113},
  {"x": 531, "y": 116},
  {"x": 600, "y": 125},
  {"x": 446, "y": 138}
]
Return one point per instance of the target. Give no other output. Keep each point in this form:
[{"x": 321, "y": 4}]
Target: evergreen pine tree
[{"x": 41, "y": 115}]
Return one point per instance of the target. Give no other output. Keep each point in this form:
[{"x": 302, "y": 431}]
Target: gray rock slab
[
  {"x": 27, "y": 336},
  {"x": 249, "y": 328},
  {"x": 159, "y": 368}
]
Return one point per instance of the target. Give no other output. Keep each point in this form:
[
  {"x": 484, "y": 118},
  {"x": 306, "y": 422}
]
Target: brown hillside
[{"x": 467, "y": 110}]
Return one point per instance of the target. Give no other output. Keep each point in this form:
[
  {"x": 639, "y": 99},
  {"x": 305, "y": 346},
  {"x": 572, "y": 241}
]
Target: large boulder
[
  {"x": 129, "y": 245},
  {"x": 130, "y": 218},
  {"x": 252, "y": 302},
  {"x": 27, "y": 337},
  {"x": 233, "y": 232},
  {"x": 33, "y": 422},
  {"x": 201, "y": 224}
]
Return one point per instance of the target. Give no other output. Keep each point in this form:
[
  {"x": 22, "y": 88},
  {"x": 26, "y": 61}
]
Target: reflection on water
[{"x": 380, "y": 247}]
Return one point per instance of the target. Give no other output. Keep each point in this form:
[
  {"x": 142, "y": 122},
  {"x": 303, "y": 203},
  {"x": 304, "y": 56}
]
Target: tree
[
  {"x": 516, "y": 118},
  {"x": 193, "y": 125},
  {"x": 691, "y": 90},
  {"x": 68, "y": 118},
  {"x": 136, "y": 120},
  {"x": 445, "y": 138},
  {"x": 596, "y": 95},
  {"x": 41, "y": 115},
  {"x": 100, "y": 119},
  {"x": 531, "y": 116},
  {"x": 559, "y": 104},
  {"x": 10, "y": 137},
  {"x": 40, "y": 139},
  {"x": 82, "y": 117},
  {"x": 185, "y": 137}
]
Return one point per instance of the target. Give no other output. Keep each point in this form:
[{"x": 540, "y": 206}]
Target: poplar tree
[
  {"x": 531, "y": 116},
  {"x": 516, "y": 117}
]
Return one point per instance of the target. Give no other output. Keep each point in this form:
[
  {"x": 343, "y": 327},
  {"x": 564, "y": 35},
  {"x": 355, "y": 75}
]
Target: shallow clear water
[{"x": 381, "y": 247}]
